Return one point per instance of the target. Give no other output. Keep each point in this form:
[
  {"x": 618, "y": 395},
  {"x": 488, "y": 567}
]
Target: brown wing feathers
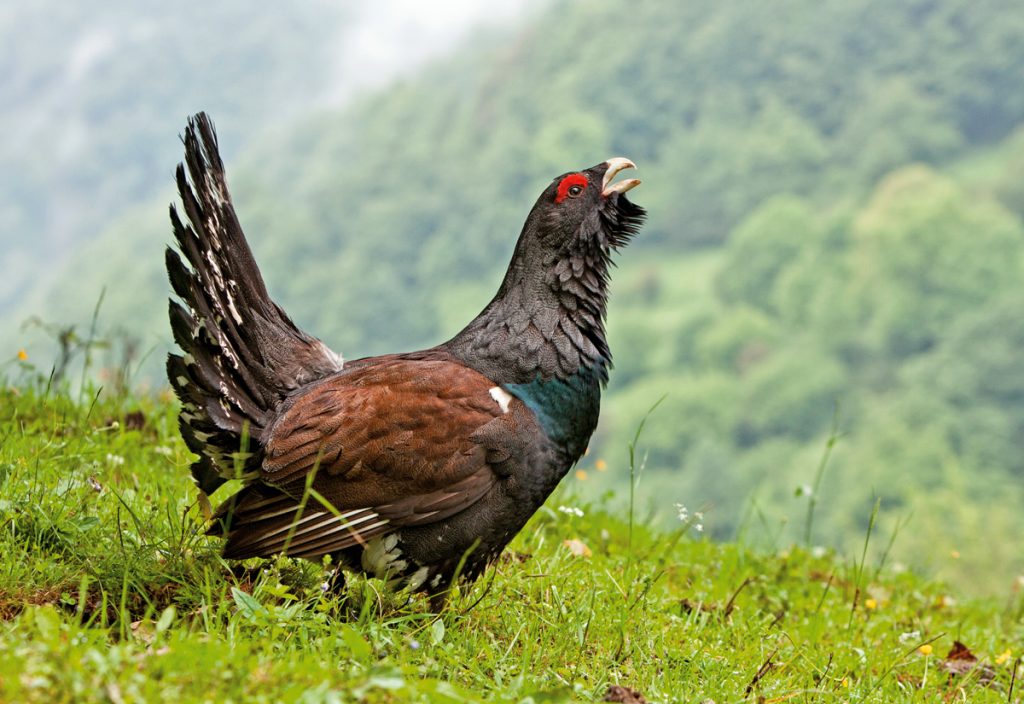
[
  {"x": 242, "y": 354},
  {"x": 391, "y": 444},
  {"x": 261, "y": 521}
]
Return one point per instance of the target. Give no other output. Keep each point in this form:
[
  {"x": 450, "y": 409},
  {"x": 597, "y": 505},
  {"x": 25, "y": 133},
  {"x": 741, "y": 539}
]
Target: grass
[{"x": 109, "y": 592}]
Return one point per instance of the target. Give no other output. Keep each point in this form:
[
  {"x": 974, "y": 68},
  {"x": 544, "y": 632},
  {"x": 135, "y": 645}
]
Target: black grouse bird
[{"x": 411, "y": 466}]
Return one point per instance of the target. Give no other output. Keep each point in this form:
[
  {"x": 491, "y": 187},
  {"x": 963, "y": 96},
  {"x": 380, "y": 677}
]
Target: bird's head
[
  {"x": 581, "y": 210},
  {"x": 547, "y": 319}
]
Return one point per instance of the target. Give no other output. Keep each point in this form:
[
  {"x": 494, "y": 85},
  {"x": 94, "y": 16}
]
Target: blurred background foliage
[{"x": 836, "y": 233}]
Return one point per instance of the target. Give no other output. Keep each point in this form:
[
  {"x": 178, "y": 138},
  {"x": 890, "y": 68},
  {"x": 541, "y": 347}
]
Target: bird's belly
[{"x": 431, "y": 556}]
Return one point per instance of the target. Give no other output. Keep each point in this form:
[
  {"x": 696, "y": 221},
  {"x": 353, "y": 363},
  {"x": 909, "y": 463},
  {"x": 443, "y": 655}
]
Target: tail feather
[
  {"x": 242, "y": 355},
  {"x": 206, "y": 370}
]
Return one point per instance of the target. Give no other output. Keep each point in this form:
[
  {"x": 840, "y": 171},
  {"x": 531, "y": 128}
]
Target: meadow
[{"x": 110, "y": 592}]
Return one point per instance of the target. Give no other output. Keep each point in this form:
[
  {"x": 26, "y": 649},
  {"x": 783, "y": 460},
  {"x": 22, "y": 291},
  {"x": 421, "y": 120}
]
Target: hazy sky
[{"x": 389, "y": 38}]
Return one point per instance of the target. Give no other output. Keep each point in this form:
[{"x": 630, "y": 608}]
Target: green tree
[
  {"x": 923, "y": 251},
  {"x": 763, "y": 246}
]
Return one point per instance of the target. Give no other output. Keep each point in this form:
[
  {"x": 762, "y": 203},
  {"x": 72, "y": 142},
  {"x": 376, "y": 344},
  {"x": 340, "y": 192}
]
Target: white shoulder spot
[{"x": 502, "y": 397}]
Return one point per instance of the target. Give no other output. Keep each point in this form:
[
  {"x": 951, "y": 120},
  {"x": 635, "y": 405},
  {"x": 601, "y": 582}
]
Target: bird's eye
[{"x": 570, "y": 187}]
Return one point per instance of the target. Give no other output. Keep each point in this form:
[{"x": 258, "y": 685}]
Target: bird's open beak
[{"x": 615, "y": 165}]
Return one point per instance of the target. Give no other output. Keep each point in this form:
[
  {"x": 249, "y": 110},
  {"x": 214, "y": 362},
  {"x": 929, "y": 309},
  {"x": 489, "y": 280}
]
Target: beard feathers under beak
[{"x": 621, "y": 219}]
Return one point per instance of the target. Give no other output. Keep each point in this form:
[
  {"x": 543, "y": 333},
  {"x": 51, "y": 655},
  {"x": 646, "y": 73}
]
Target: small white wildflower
[
  {"x": 699, "y": 527},
  {"x": 682, "y": 512},
  {"x": 163, "y": 450},
  {"x": 324, "y": 586},
  {"x": 571, "y": 510},
  {"x": 910, "y": 637},
  {"x": 804, "y": 490},
  {"x": 819, "y": 551},
  {"x": 115, "y": 460}
]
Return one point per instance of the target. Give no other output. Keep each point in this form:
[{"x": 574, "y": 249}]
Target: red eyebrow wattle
[{"x": 568, "y": 182}]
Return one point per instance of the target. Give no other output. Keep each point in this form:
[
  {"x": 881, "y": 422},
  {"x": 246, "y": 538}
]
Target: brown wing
[{"x": 396, "y": 443}]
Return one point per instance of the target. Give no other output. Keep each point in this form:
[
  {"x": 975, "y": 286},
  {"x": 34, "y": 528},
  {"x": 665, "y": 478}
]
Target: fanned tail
[{"x": 241, "y": 353}]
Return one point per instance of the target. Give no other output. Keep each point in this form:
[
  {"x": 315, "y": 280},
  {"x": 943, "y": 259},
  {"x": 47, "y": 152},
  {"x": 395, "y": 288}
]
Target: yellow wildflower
[
  {"x": 926, "y": 649},
  {"x": 601, "y": 466},
  {"x": 1004, "y": 656},
  {"x": 22, "y": 354},
  {"x": 870, "y": 604},
  {"x": 581, "y": 475}
]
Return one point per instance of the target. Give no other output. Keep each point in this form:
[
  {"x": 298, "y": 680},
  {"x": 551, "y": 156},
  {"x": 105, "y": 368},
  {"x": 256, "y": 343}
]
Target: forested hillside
[
  {"x": 835, "y": 236},
  {"x": 92, "y": 93}
]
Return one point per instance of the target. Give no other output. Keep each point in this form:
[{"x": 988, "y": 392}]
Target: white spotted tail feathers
[{"x": 242, "y": 355}]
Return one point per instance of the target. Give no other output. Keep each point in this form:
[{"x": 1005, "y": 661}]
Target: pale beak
[{"x": 615, "y": 165}]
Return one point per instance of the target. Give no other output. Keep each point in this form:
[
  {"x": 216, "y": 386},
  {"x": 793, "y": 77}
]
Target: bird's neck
[{"x": 546, "y": 322}]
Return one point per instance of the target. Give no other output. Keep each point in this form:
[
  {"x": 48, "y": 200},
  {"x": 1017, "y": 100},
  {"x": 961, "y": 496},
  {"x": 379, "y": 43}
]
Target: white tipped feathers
[
  {"x": 381, "y": 556},
  {"x": 241, "y": 354}
]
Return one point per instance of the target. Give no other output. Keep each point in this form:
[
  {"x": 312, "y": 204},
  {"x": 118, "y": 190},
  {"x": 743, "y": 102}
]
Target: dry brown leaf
[
  {"x": 623, "y": 695},
  {"x": 961, "y": 661}
]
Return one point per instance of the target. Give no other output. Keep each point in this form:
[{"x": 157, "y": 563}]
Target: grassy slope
[{"x": 109, "y": 592}]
